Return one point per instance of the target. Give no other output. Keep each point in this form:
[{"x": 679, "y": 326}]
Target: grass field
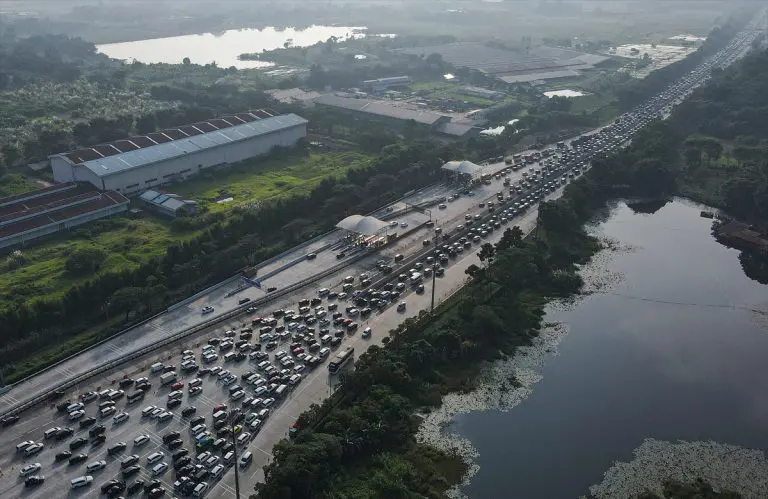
[
  {"x": 445, "y": 90},
  {"x": 127, "y": 243},
  {"x": 260, "y": 180},
  {"x": 13, "y": 183},
  {"x": 131, "y": 242}
]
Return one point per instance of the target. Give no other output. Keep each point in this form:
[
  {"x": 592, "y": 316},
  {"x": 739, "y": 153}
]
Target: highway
[{"x": 312, "y": 389}]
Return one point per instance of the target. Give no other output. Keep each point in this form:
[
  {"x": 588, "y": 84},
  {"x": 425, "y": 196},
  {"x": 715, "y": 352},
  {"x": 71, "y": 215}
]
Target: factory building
[
  {"x": 32, "y": 215},
  {"x": 136, "y": 164},
  {"x": 379, "y": 85}
]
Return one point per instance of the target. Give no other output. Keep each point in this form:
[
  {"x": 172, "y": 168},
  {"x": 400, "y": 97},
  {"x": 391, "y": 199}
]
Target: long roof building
[
  {"x": 138, "y": 163},
  {"x": 30, "y": 216}
]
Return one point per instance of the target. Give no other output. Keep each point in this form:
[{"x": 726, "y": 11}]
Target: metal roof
[
  {"x": 381, "y": 108},
  {"x": 362, "y": 225},
  {"x": 129, "y": 160},
  {"x": 465, "y": 167}
]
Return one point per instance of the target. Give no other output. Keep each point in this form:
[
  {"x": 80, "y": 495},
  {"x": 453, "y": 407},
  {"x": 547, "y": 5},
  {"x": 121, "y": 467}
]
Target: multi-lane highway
[{"x": 314, "y": 385}]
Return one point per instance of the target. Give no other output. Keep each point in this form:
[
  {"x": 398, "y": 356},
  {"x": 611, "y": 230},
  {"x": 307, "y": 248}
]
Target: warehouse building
[
  {"x": 482, "y": 92},
  {"x": 381, "y": 110},
  {"x": 30, "y": 216},
  {"x": 379, "y": 85},
  {"x": 138, "y": 163}
]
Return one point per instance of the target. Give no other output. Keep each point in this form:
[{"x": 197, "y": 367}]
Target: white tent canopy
[
  {"x": 464, "y": 167},
  {"x": 360, "y": 224}
]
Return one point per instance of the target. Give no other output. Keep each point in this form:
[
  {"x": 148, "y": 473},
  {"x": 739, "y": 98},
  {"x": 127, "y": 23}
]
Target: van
[
  {"x": 217, "y": 471},
  {"x": 230, "y": 357},
  {"x": 200, "y": 489},
  {"x": 107, "y": 411},
  {"x": 168, "y": 378},
  {"x": 156, "y": 367},
  {"x": 246, "y": 459},
  {"x": 281, "y": 391},
  {"x": 198, "y": 429}
]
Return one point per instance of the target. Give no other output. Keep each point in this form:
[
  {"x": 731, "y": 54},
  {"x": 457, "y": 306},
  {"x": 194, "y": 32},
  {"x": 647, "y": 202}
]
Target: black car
[
  {"x": 175, "y": 444},
  {"x": 192, "y": 423},
  {"x": 129, "y": 461},
  {"x": 61, "y": 456},
  {"x": 113, "y": 484},
  {"x": 34, "y": 480},
  {"x": 185, "y": 471},
  {"x": 144, "y": 387},
  {"x": 125, "y": 382},
  {"x": 98, "y": 439},
  {"x": 179, "y": 454},
  {"x": 173, "y": 403},
  {"x": 201, "y": 474},
  {"x": 229, "y": 447},
  {"x": 131, "y": 470},
  {"x": 79, "y": 458},
  {"x": 155, "y": 493},
  {"x": 135, "y": 486},
  {"x": 152, "y": 485},
  {"x": 77, "y": 443},
  {"x": 85, "y": 423},
  {"x": 168, "y": 437},
  {"x": 183, "y": 461},
  {"x": 97, "y": 430},
  {"x": 118, "y": 447},
  {"x": 64, "y": 433},
  {"x": 219, "y": 423}
]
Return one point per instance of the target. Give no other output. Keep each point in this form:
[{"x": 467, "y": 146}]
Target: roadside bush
[{"x": 84, "y": 261}]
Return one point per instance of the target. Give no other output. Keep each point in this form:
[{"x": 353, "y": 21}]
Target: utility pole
[{"x": 234, "y": 450}]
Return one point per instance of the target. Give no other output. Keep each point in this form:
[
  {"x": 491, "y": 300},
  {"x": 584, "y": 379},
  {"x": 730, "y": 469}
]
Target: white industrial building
[{"x": 138, "y": 163}]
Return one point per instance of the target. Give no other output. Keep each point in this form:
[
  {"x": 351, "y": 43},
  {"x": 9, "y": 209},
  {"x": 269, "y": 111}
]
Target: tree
[
  {"x": 125, "y": 299},
  {"x": 146, "y": 124},
  {"x": 186, "y": 61},
  {"x": 84, "y": 261}
]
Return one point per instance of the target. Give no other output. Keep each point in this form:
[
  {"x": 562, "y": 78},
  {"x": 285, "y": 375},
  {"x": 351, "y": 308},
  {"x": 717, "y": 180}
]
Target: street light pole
[
  {"x": 234, "y": 450},
  {"x": 434, "y": 277}
]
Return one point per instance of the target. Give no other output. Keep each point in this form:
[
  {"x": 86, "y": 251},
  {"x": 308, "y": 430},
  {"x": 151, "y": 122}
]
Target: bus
[
  {"x": 135, "y": 396},
  {"x": 341, "y": 359}
]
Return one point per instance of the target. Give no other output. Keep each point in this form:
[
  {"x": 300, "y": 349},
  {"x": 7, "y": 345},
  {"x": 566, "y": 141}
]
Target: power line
[{"x": 687, "y": 304}]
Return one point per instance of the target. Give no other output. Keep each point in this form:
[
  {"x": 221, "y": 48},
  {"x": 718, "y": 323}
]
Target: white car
[
  {"x": 403, "y": 224},
  {"x": 23, "y": 445},
  {"x": 243, "y": 438},
  {"x": 33, "y": 449},
  {"x": 140, "y": 440},
  {"x": 51, "y": 432},
  {"x": 267, "y": 402},
  {"x": 156, "y": 413},
  {"x": 147, "y": 411},
  {"x": 155, "y": 457},
  {"x": 96, "y": 466},
  {"x": 159, "y": 468},
  {"x": 120, "y": 418},
  {"x": 207, "y": 310},
  {"x": 81, "y": 481},
  {"x": 75, "y": 415},
  {"x": 30, "y": 469}
]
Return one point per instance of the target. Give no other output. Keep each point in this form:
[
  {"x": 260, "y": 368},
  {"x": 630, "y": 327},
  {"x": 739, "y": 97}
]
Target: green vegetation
[
  {"x": 259, "y": 180},
  {"x": 12, "y": 184}
]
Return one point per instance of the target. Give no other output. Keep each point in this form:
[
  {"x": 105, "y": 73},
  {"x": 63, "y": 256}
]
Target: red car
[
  {"x": 297, "y": 351},
  {"x": 220, "y": 407},
  {"x": 178, "y": 385}
]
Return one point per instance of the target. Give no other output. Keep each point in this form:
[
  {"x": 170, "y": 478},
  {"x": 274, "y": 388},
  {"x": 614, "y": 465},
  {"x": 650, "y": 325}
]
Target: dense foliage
[
  {"x": 695, "y": 490},
  {"x": 367, "y": 428}
]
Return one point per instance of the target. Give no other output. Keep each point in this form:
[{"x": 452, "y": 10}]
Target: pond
[
  {"x": 673, "y": 348},
  {"x": 224, "y": 48}
]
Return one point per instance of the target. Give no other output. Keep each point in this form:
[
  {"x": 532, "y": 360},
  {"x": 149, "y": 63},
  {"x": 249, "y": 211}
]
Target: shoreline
[{"x": 521, "y": 371}]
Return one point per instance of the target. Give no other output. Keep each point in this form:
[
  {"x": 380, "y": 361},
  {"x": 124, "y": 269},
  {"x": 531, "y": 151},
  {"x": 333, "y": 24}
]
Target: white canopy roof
[
  {"x": 465, "y": 167},
  {"x": 362, "y": 224}
]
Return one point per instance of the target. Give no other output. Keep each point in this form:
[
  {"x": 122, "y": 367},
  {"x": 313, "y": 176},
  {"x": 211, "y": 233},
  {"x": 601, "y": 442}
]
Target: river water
[
  {"x": 673, "y": 349},
  {"x": 224, "y": 48}
]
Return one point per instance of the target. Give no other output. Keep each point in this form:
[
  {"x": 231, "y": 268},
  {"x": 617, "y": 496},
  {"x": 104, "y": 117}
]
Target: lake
[
  {"x": 224, "y": 48},
  {"x": 673, "y": 349}
]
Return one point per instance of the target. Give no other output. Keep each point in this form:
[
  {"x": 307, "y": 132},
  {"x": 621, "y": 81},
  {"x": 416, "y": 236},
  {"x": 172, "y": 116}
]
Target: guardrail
[{"x": 197, "y": 295}]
